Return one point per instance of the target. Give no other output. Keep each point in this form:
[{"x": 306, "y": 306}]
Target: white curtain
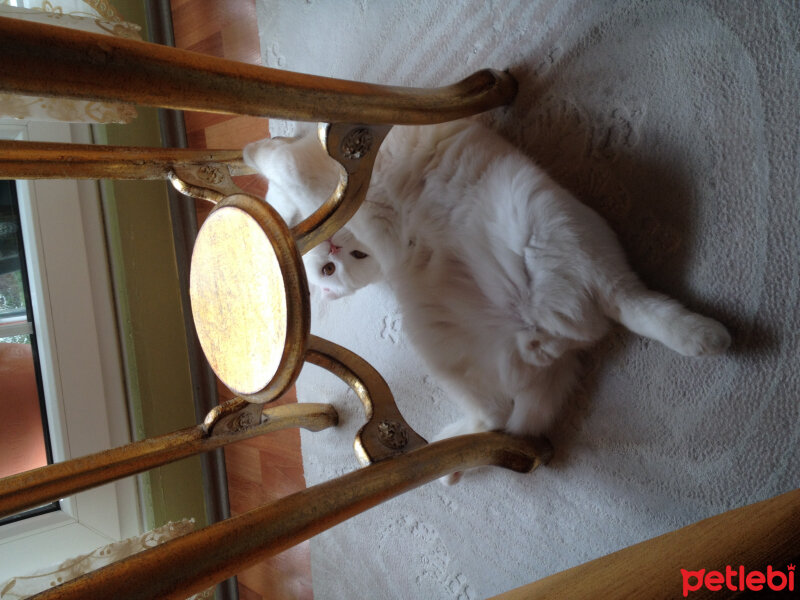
[
  {"x": 44, "y": 579},
  {"x": 95, "y": 16}
]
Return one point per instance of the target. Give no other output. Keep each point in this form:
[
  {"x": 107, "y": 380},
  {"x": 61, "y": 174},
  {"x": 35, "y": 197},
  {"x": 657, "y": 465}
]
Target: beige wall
[{"x": 145, "y": 275}]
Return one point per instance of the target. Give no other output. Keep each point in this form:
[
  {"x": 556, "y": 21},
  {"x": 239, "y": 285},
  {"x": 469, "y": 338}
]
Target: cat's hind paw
[
  {"x": 451, "y": 479},
  {"x": 700, "y": 336},
  {"x": 462, "y": 427}
]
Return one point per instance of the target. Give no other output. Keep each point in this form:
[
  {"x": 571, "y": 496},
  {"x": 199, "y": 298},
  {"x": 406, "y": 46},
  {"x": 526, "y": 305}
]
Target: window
[
  {"x": 74, "y": 330},
  {"x": 24, "y": 435}
]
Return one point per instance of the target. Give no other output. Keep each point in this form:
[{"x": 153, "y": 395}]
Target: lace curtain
[
  {"x": 24, "y": 587},
  {"x": 95, "y": 16}
]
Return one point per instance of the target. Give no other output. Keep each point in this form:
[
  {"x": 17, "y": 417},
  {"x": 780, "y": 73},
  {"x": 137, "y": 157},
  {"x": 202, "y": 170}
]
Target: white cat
[{"x": 501, "y": 274}]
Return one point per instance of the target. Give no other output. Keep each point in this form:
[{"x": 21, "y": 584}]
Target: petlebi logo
[{"x": 739, "y": 580}]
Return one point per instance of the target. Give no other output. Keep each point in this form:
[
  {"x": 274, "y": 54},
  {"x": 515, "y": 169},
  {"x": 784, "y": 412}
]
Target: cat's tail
[{"x": 664, "y": 319}]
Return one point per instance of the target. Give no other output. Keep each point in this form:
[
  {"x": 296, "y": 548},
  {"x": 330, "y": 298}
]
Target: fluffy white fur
[{"x": 500, "y": 273}]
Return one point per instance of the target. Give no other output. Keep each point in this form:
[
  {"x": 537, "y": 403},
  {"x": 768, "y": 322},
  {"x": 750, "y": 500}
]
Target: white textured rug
[{"x": 679, "y": 122}]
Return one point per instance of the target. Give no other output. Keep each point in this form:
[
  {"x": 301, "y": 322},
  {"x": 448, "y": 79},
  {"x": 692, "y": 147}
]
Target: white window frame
[{"x": 79, "y": 351}]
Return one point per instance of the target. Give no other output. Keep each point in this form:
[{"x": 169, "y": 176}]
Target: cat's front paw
[{"x": 699, "y": 336}]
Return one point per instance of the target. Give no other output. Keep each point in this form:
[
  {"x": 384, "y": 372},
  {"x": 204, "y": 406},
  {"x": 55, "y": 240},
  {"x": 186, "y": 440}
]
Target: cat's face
[{"x": 341, "y": 265}]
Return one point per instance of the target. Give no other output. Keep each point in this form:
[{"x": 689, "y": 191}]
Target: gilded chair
[
  {"x": 251, "y": 310},
  {"x": 257, "y": 348}
]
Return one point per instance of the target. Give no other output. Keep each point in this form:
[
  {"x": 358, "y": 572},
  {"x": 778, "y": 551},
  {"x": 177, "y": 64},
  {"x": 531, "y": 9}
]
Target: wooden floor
[{"x": 270, "y": 467}]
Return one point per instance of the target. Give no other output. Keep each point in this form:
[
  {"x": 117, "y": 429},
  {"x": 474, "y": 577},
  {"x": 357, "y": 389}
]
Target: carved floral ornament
[
  {"x": 95, "y": 16},
  {"x": 393, "y": 435}
]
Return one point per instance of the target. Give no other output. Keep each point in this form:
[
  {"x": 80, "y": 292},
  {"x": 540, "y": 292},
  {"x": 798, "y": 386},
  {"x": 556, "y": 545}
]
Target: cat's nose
[{"x": 334, "y": 248}]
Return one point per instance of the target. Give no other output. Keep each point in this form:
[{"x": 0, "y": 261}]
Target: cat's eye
[
  {"x": 358, "y": 254},
  {"x": 328, "y": 269}
]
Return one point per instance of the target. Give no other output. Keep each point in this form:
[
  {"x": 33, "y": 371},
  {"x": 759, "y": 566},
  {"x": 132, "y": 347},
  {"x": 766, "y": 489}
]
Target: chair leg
[
  {"x": 204, "y": 174},
  {"x": 49, "y": 160},
  {"x": 39, "y": 486},
  {"x": 44, "y": 60},
  {"x": 196, "y": 561}
]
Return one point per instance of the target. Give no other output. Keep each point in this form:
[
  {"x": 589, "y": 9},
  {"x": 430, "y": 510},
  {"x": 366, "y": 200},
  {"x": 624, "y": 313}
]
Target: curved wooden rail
[{"x": 386, "y": 433}]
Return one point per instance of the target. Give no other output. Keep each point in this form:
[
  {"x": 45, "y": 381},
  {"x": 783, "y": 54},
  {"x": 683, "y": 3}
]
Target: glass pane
[
  {"x": 24, "y": 439},
  {"x": 22, "y": 436},
  {"x": 12, "y": 290}
]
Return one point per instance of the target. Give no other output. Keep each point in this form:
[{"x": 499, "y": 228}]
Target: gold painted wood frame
[
  {"x": 53, "y": 61},
  {"x": 270, "y": 348}
]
